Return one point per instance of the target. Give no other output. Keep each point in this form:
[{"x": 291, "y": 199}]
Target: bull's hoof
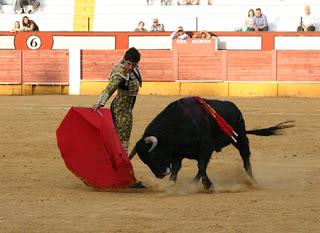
[
  {"x": 172, "y": 183},
  {"x": 209, "y": 188}
]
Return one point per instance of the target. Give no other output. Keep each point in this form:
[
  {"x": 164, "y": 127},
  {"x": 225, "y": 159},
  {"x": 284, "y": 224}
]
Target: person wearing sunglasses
[{"x": 156, "y": 26}]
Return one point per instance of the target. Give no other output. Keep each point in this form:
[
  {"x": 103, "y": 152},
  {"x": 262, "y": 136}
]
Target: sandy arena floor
[{"x": 39, "y": 194}]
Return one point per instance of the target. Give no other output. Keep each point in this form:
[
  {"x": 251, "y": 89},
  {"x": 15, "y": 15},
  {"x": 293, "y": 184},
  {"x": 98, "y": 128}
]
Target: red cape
[{"x": 92, "y": 150}]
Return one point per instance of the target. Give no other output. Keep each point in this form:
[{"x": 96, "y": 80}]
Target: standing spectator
[
  {"x": 179, "y": 34},
  {"x": 31, "y": 5},
  {"x": 29, "y": 25},
  {"x": 202, "y": 34},
  {"x": 260, "y": 22},
  {"x": 17, "y": 27},
  {"x": 156, "y": 26},
  {"x": 308, "y": 21},
  {"x": 248, "y": 24},
  {"x": 140, "y": 27}
]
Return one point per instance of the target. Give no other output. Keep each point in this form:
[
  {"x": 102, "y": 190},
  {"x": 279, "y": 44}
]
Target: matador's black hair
[{"x": 132, "y": 55}]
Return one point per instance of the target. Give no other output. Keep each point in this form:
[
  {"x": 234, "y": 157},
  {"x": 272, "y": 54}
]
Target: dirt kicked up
[{"x": 39, "y": 194}]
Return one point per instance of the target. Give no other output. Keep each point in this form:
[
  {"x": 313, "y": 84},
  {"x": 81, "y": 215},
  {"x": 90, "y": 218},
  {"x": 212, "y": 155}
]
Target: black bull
[{"x": 184, "y": 129}]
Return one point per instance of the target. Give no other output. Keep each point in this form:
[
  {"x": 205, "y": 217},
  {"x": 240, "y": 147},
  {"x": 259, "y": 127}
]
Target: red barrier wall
[
  {"x": 45, "y": 66},
  {"x": 156, "y": 65},
  {"x": 10, "y": 66},
  {"x": 51, "y": 66},
  {"x": 39, "y": 66},
  {"x": 209, "y": 66},
  {"x": 298, "y": 65},
  {"x": 249, "y": 66},
  {"x": 164, "y": 65},
  {"x": 96, "y": 64}
]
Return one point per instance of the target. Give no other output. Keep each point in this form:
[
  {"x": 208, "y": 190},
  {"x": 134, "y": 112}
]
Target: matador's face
[{"x": 129, "y": 65}]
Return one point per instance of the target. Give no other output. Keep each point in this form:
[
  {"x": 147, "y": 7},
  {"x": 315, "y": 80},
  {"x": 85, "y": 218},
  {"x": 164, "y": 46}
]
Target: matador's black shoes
[{"x": 138, "y": 185}]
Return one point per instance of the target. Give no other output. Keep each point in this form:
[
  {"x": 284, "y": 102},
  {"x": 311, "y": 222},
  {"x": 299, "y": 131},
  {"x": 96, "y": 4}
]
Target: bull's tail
[{"x": 273, "y": 130}]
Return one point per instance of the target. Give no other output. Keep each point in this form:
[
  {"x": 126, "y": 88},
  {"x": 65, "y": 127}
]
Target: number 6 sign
[{"x": 33, "y": 41}]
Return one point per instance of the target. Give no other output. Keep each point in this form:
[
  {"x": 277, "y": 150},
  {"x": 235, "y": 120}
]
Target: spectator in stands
[
  {"x": 197, "y": 2},
  {"x": 140, "y": 27},
  {"x": 308, "y": 21},
  {"x": 193, "y": 2},
  {"x": 165, "y": 2},
  {"x": 260, "y": 22},
  {"x": 179, "y": 34},
  {"x": 248, "y": 24},
  {"x": 30, "y": 5},
  {"x": 29, "y": 25},
  {"x": 17, "y": 27},
  {"x": 156, "y": 26},
  {"x": 202, "y": 34}
]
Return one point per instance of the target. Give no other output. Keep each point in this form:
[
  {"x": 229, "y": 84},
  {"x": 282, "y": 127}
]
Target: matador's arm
[{"x": 110, "y": 89}]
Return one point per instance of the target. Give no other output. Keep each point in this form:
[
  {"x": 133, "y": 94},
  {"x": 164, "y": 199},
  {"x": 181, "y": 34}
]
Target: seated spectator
[
  {"x": 193, "y": 2},
  {"x": 30, "y": 5},
  {"x": 5, "y": 2},
  {"x": 260, "y": 22},
  {"x": 17, "y": 27},
  {"x": 29, "y": 25},
  {"x": 197, "y": 2},
  {"x": 165, "y": 2},
  {"x": 179, "y": 34},
  {"x": 248, "y": 24},
  {"x": 202, "y": 34},
  {"x": 140, "y": 27},
  {"x": 156, "y": 26},
  {"x": 308, "y": 21}
]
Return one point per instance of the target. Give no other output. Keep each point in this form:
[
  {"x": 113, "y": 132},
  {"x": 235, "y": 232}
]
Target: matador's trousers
[{"x": 121, "y": 108}]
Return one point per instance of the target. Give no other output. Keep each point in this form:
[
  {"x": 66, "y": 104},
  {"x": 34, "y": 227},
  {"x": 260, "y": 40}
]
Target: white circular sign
[{"x": 34, "y": 42}]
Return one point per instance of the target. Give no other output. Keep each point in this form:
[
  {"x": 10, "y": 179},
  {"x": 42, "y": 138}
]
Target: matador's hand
[{"x": 96, "y": 107}]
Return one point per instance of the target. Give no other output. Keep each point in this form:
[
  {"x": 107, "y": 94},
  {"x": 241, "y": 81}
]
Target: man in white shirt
[
  {"x": 156, "y": 26},
  {"x": 308, "y": 21}
]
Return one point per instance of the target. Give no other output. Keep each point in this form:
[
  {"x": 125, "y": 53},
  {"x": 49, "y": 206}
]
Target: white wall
[
  {"x": 124, "y": 15},
  {"x": 223, "y": 15}
]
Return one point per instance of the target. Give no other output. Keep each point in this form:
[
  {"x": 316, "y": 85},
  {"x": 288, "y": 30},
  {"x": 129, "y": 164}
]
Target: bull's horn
[
  {"x": 133, "y": 153},
  {"x": 153, "y": 140}
]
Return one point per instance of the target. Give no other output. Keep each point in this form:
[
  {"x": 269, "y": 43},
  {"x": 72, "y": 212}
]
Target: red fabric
[
  {"x": 92, "y": 150},
  {"x": 227, "y": 129}
]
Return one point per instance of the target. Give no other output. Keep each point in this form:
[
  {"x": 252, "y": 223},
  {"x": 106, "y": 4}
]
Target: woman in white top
[{"x": 248, "y": 25}]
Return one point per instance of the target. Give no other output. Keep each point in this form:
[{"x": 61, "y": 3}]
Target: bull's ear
[{"x": 153, "y": 140}]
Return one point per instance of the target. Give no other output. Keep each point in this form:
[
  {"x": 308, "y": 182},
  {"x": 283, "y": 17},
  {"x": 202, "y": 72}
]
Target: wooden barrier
[
  {"x": 190, "y": 68},
  {"x": 10, "y": 66}
]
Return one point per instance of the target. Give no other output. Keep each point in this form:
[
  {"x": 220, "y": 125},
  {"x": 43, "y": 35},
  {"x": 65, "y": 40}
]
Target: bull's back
[
  {"x": 228, "y": 110},
  {"x": 186, "y": 121}
]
